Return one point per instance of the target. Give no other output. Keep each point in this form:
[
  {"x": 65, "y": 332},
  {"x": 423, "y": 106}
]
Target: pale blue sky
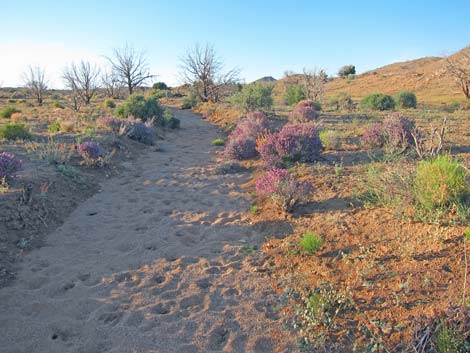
[{"x": 260, "y": 37}]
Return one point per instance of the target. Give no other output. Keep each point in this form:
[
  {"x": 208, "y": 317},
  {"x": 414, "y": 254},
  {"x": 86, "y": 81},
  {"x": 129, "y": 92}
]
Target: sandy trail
[{"x": 153, "y": 263}]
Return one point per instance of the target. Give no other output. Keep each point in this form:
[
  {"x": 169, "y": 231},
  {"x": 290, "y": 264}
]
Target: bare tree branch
[
  {"x": 111, "y": 84},
  {"x": 203, "y": 69},
  {"x": 314, "y": 84},
  {"x": 82, "y": 79},
  {"x": 130, "y": 67},
  {"x": 36, "y": 83},
  {"x": 458, "y": 66}
]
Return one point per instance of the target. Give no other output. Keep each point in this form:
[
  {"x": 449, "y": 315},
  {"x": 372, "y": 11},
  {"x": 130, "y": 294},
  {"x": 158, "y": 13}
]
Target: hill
[{"x": 426, "y": 77}]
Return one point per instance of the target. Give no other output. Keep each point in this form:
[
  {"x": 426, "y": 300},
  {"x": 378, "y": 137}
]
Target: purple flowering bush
[
  {"x": 279, "y": 185},
  {"x": 241, "y": 143},
  {"x": 304, "y": 111},
  {"x": 394, "y": 134},
  {"x": 89, "y": 150},
  {"x": 9, "y": 166},
  {"x": 293, "y": 143}
]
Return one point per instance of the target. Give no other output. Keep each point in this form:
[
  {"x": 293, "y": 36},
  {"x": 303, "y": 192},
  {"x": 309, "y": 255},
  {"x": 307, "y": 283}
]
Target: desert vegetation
[{"x": 362, "y": 199}]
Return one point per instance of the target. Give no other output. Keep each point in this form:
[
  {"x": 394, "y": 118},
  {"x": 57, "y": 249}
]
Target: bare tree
[
  {"x": 82, "y": 79},
  {"x": 458, "y": 66},
  {"x": 314, "y": 84},
  {"x": 204, "y": 70},
  {"x": 111, "y": 84},
  {"x": 130, "y": 67},
  {"x": 36, "y": 83}
]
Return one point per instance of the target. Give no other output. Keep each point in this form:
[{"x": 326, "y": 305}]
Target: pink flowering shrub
[
  {"x": 241, "y": 143},
  {"x": 293, "y": 143},
  {"x": 259, "y": 117},
  {"x": 89, "y": 150},
  {"x": 282, "y": 188},
  {"x": 304, "y": 111},
  {"x": 394, "y": 134},
  {"x": 9, "y": 166}
]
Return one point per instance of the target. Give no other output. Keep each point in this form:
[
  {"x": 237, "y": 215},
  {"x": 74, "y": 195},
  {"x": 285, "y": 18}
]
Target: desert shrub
[
  {"x": 57, "y": 105},
  {"x": 229, "y": 167},
  {"x": 330, "y": 139},
  {"x": 304, "y": 111},
  {"x": 68, "y": 170},
  {"x": 93, "y": 155},
  {"x": 393, "y": 134},
  {"x": 218, "y": 142},
  {"x": 54, "y": 127},
  {"x": 160, "y": 86},
  {"x": 346, "y": 71},
  {"x": 255, "y": 96},
  {"x": 259, "y": 118},
  {"x": 190, "y": 101},
  {"x": 52, "y": 152},
  {"x": 241, "y": 143},
  {"x": 294, "y": 94},
  {"x": 311, "y": 242},
  {"x": 109, "y": 103},
  {"x": 406, "y": 99},
  {"x": 292, "y": 143},
  {"x": 141, "y": 132},
  {"x": 169, "y": 120},
  {"x": 282, "y": 188},
  {"x": 13, "y": 131},
  {"x": 67, "y": 126},
  {"x": 139, "y": 107},
  {"x": 378, "y": 101},
  {"x": 452, "y": 107},
  {"x": 9, "y": 166},
  {"x": 342, "y": 101},
  {"x": 110, "y": 123},
  {"x": 439, "y": 182},
  {"x": 7, "y": 112}
]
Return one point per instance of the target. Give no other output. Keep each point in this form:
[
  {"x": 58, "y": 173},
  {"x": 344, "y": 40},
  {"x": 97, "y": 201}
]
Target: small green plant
[
  {"x": 448, "y": 340},
  {"x": 140, "y": 107},
  {"x": 406, "y": 99},
  {"x": 51, "y": 151},
  {"x": 254, "y": 209},
  {"x": 169, "y": 120},
  {"x": 13, "y": 131},
  {"x": 378, "y": 101},
  {"x": 54, "y": 128},
  {"x": 439, "y": 182},
  {"x": 109, "y": 103},
  {"x": 218, "y": 142},
  {"x": 67, "y": 170},
  {"x": 294, "y": 94},
  {"x": 7, "y": 112},
  {"x": 311, "y": 242},
  {"x": 254, "y": 97},
  {"x": 57, "y": 105},
  {"x": 330, "y": 139}
]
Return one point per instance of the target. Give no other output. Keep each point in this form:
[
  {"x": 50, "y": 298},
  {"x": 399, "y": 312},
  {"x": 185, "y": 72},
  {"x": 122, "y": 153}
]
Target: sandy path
[{"x": 152, "y": 263}]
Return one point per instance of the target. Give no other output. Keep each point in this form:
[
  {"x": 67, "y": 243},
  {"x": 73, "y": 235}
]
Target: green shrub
[
  {"x": 11, "y": 101},
  {"x": 378, "y": 101},
  {"x": 311, "y": 242},
  {"x": 54, "y": 128},
  {"x": 330, "y": 139},
  {"x": 406, "y": 99},
  {"x": 169, "y": 120},
  {"x": 160, "y": 86},
  {"x": 139, "y": 107},
  {"x": 294, "y": 94},
  {"x": 218, "y": 142},
  {"x": 7, "y": 112},
  {"x": 109, "y": 103},
  {"x": 346, "y": 71},
  {"x": 57, "y": 105},
  {"x": 439, "y": 182},
  {"x": 14, "y": 132},
  {"x": 342, "y": 101},
  {"x": 190, "y": 101},
  {"x": 254, "y": 97}
]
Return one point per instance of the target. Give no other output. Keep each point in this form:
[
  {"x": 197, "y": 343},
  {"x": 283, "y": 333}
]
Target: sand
[{"x": 158, "y": 261}]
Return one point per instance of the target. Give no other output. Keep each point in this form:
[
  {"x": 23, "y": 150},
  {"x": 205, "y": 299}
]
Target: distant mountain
[
  {"x": 265, "y": 79},
  {"x": 426, "y": 77}
]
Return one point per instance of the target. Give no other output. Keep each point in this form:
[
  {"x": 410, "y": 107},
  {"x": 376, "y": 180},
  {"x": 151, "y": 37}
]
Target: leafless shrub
[
  {"x": 82, "y": 79},
  {"x": 314, "y": 84},
  {"x": 36, "y": 83},
  {"x": 431, "y": 145}
]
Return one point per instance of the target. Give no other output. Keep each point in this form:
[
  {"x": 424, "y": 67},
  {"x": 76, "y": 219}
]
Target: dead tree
[
  {"x": 431, "y": 145},
  {"x": 82, "y": 79},
  {"x": 314, "y": 84},
  {"x": 36, "y": 83},
  {"x": 204, "y": 70},
  {"x": 111, "y": 83},
  {"x": 458, "y": 66},
  {"x": 130, "y": 67}
]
